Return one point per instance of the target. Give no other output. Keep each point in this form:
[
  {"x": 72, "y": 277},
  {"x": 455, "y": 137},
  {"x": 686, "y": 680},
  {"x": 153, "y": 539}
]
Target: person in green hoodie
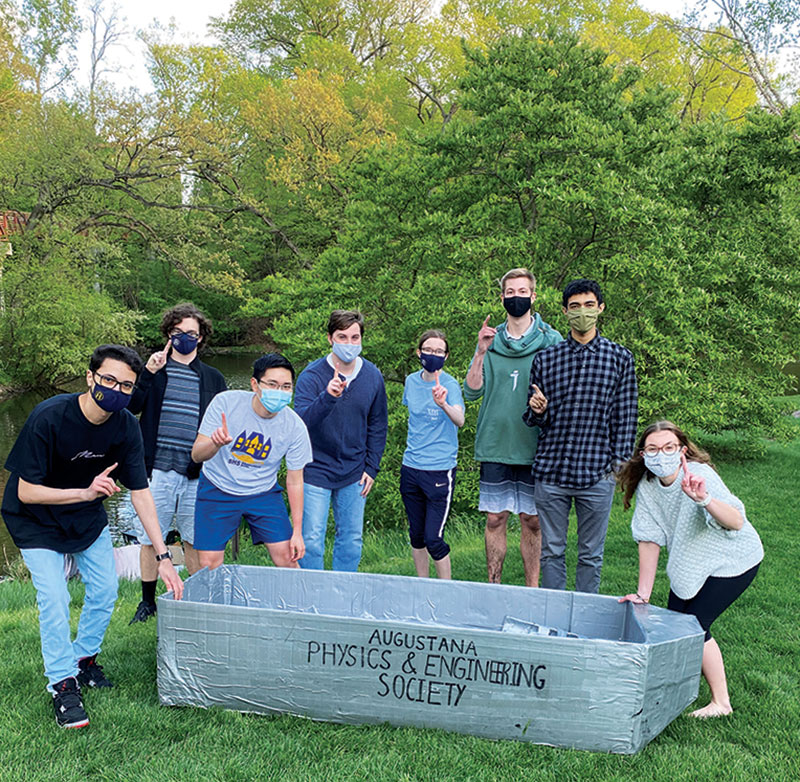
[{"x": 504, "y": 446}]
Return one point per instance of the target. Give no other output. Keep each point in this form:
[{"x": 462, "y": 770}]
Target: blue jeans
[
  {"x": 592, "y": 507},
  {"x": 348, "y": 517},
  {"x": 96, "y": 565}
]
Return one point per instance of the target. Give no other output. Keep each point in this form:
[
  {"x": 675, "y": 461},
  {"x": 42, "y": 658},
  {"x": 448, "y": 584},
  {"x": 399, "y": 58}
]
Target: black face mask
[{"x": 517, "y": 306}]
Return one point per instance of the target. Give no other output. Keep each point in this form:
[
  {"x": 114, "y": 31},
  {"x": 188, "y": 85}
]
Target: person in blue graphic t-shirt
[
  {"x": 241, "y": 441},
  {"x": 342, "y": 399},
  {"x": 428, "y": 475}
]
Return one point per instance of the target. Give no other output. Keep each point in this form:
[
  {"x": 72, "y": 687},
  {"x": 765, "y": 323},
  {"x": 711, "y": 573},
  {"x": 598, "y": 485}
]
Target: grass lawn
[{"x": 132, "y": 737}]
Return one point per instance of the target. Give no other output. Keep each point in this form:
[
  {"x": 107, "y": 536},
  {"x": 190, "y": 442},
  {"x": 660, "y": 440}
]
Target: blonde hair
[{"x": 515, "y": 273}]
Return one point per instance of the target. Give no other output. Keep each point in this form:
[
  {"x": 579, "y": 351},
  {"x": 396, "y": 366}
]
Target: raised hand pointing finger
[{"x": 220, "y": 436}]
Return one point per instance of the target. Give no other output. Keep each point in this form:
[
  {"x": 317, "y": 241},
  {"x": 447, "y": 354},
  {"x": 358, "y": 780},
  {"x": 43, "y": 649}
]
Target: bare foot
[{"x": 712, "y": 710}]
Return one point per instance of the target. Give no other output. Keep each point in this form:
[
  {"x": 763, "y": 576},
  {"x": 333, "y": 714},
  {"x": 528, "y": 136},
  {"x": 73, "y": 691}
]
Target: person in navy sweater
[{"x": 342, "y": 400}]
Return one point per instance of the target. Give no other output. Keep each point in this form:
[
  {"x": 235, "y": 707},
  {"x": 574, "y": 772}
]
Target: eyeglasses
[
  {"x": 430, "y": 352},
  {"x": 109, "y": 381},
  {"x": 271, "y": 385},
  {"x": 178, "y": 333},
  {"x": 668, "y": 449}
]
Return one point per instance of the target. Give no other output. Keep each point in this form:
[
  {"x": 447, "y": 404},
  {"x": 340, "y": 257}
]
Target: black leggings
[{"x": 713, "y": 598}]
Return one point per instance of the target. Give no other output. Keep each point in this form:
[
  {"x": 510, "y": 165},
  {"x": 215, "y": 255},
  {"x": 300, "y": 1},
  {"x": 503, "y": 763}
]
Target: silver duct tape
[{"x": 560, "y": 668}]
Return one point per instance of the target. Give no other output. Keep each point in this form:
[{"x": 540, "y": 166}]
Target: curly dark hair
[
  {"x": 174, "y": 315},
  {"x": 634, "y": 470}
]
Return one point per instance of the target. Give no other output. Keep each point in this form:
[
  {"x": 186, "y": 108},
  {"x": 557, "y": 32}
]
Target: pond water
[{"x": 15, "y": 410}]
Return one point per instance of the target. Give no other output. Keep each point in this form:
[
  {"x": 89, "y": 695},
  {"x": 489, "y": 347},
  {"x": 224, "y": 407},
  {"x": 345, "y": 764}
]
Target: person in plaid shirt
[{"x": 583, "y": 397}]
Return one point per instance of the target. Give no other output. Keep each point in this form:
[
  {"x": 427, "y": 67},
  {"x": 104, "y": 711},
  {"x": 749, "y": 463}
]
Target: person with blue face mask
[
  {"x": 241, "y": 442},
  {"x": 342, "y": 399},
  {"x": 714, "y": 551},
  {"x": 65, "y": 462},
  {"x": 428, "y": 474}
]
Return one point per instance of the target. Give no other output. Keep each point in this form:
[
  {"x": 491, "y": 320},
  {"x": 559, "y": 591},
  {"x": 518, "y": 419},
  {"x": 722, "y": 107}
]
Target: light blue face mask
[
  {"x": 347, "y": 353},
  {"x": 663, "y": 465},
  {"x": 274, "y": 399}
]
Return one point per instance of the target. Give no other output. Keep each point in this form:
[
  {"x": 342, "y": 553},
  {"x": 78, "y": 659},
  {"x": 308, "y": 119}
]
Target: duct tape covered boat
[{"x": 561, "y": 668}]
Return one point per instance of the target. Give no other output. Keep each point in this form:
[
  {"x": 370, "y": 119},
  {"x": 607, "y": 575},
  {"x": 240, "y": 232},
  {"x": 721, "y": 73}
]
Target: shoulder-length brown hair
[{"x": 634, "y": 470}]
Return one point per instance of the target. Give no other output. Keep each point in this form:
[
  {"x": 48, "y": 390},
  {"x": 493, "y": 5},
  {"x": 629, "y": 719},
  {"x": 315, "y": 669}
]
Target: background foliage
[{"x": 386, "y": 156}]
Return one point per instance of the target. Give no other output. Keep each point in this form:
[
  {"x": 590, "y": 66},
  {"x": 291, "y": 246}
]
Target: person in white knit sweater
[{"x": 714, "y": 551}]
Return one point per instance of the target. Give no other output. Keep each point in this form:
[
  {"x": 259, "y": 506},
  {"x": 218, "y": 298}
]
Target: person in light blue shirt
[
  {"x": 427, "y": 477},
  {"x": 242, "y": 439}
]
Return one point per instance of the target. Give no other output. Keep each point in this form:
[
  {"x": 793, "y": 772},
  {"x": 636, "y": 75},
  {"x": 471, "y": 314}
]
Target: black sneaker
[
  {"x": 68, "y": 704},
  {"x": 90, "y": 674},
  {"x": 143, "y": 612}
]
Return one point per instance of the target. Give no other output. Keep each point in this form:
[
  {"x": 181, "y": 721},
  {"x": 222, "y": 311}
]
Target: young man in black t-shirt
[{"x": 63, "y": 465}]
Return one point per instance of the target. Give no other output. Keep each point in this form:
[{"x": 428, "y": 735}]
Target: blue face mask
[
  {"x": 110, "y": 399},
  {"x": 274, "y": 399},
  {"x": 346, "y": 353},
  {"x": 431, "y": 363},
  {"x": 184, "y": 344},
  {"x": 663, "y": 465}
]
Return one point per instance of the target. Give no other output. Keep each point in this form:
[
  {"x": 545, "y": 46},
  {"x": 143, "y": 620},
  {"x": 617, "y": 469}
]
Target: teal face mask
[{"x": 274, "y": 399}]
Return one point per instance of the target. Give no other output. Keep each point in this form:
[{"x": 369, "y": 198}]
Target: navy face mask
[
  {"x": 184, "y": 344},
  {"x": 110, "y": 399},
  {"x": 517, "y": 306},
  {"x": 430, "y": 362}
]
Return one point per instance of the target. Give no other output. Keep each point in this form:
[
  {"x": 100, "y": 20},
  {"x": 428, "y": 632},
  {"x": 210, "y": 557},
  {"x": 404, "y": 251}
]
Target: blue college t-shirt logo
[{"x": 251, "y": 448}]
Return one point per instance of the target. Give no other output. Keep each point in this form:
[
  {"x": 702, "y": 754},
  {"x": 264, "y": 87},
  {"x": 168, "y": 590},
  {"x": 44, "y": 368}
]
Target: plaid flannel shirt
[{"x": 589, "y": 426}]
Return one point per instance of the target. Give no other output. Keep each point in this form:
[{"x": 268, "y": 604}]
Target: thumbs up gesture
[{"x": 220, "y": 436}]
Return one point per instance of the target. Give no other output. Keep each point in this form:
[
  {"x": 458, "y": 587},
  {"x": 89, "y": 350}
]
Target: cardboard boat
[{"x": 566, "y": 669}]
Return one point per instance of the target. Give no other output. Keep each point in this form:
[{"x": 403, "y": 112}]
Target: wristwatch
[{"x": 166, "y": 555}]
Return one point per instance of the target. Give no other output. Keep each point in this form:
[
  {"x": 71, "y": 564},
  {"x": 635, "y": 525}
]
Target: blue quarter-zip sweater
[{"x": 348, "y": 433}]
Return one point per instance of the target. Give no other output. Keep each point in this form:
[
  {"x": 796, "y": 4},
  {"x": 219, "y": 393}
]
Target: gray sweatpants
[{"x": 592, "y": 507}]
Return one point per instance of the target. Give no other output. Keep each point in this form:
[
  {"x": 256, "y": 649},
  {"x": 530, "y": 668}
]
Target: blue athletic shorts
[{"x": 217, "y": 516}]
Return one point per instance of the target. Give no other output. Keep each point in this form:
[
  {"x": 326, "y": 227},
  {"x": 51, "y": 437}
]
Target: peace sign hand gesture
[
  {"x": 220, "y": 435},
  {"x": 694, "y": 486}
]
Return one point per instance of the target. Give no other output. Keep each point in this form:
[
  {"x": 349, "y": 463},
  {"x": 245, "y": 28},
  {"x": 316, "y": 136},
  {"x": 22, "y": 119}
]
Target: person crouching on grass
[
  {"x": 428, "y": 474},
  {"x": 714, "y": 552},
  {"x": 64, "y": 463},
  {"x": 241, "y": 441}
]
